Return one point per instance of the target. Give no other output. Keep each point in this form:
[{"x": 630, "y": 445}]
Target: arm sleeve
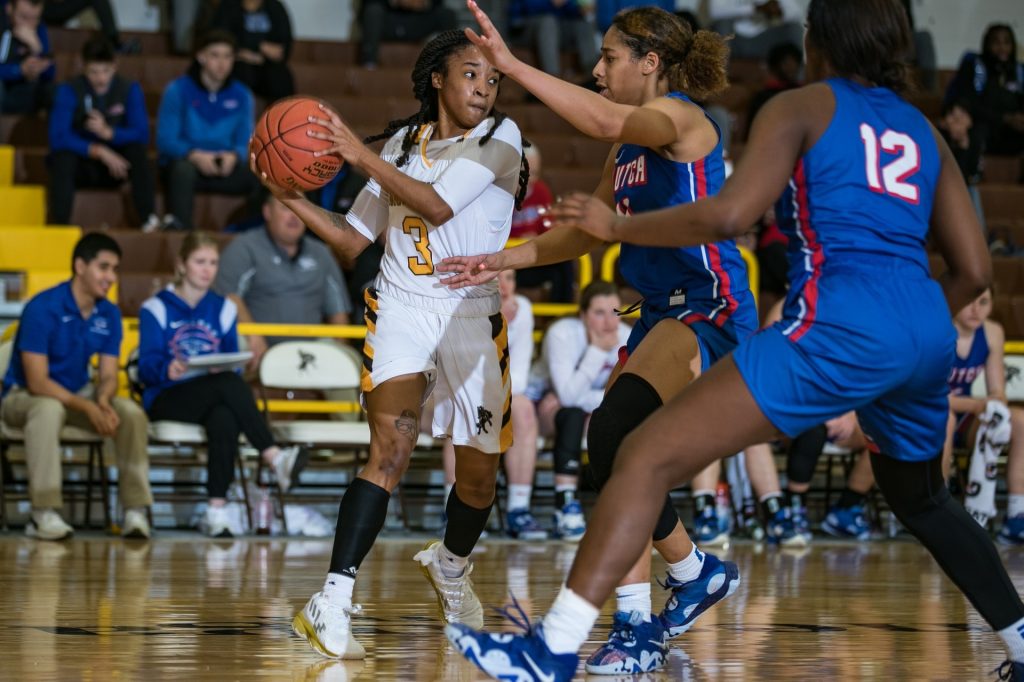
[
  {"x": 243, "y": 131},
  {"x": 573, "y": 369},
  {"x": 336, "y": 298},
  {"x": 479, "y": 165},
  {"x": 169, "y": 128},
  {"x": 520, "y": 346},
  {"x": 35, "y": 328},
  {"x": 153, "y": 355},
  {"x": 369, "y": 212},
  {"x": 113, "y": 344},
  {"x": 229, "y": 328},
  {"x": 62, "y": 133},
  {"x": 136, "y": 127}
]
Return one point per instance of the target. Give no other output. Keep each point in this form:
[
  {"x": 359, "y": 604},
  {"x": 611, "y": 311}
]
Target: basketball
[{"x": 285, "y": 152}]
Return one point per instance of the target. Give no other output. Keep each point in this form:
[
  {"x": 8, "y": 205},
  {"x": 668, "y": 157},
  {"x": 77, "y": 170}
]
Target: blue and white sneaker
[
  {"x": 717, "y": 580},
  {"x": 569, "y": 522},
  {"x": 782, "y": 531},
  {"x": 520, "y": 524},
  {"x": 847, "y": 522},
  {"x": 634, "y": 646},
  {"x": 801, "y": 524},
  {"x": 708, "y": 529},
  {"x": 1012, "y": 532},
  {"x": 1010, "y": 670},
  {"x": 515, "y": 658}
]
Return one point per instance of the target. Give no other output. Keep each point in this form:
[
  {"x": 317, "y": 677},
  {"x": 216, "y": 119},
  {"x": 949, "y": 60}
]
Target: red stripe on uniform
[
  {"x": 701, "y": 179},
  {"x": 725, "y": 284},
  {"x": 810, "y": 237}
]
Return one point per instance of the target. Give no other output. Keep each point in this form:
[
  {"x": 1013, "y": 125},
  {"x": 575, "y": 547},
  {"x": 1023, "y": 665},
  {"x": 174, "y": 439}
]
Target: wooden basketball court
[{"x": 188, "y": 608}]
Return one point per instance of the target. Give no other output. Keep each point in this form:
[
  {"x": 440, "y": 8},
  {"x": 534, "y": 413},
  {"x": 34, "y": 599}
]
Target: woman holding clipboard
[{"x": 188, "y": 351}]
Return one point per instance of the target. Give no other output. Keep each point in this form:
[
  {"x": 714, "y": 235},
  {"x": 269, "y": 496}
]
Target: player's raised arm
[{"x": 776, "y": 140}]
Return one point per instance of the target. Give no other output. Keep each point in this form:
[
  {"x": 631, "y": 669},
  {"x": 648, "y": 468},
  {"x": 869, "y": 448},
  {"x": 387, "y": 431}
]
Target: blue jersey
[
  {"x": 705, "y": 283},
  {"x": 861, "y": 196},
  {"x": 966, "y": 370}
]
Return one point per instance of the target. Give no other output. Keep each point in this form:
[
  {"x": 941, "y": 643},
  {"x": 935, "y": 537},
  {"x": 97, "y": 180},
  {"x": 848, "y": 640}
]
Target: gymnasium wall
[{"x": 956, "y": 24}]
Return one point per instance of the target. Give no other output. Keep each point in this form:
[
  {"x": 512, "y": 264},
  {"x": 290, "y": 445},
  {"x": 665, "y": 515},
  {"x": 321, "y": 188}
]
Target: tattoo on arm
[{"x": 407, "y": 425}]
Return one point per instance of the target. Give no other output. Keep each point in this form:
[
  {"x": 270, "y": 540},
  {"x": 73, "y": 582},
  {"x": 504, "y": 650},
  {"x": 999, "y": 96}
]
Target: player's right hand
[
  {"x": 276, "y": 190},
  {"x": 490, "y": 42},
  {"x": 470, "y": 270}
]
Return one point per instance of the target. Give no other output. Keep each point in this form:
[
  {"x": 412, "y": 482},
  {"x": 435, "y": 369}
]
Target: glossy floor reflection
[{"x": 185, "y": 607}]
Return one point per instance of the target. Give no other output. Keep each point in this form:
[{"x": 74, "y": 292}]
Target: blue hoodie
[
  {"x": 191, "y": 117},
  {"x": 169, "y": 328}
]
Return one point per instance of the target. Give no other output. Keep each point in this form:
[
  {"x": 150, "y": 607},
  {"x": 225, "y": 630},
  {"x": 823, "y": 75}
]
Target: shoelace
[
  {"x": 1004, "y": 671},
  {"x": 453, "y": 588},
  {"x": 515, "y": 615},
  {"x": 622, "y": 628}
]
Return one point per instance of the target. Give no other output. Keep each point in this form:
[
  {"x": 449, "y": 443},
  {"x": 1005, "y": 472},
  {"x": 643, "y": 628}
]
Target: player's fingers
[{"x": 473, "y": 37}]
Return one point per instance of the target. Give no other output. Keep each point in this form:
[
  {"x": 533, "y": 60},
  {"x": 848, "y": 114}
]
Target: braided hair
[{"x": 434, "y": 59}]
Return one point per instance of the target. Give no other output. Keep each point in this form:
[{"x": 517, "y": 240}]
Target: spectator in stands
[
  {"x": 99, "y": 131},
  {"x": 577, "y": 357},
  {"x": 527, "y": 223},
  {"x": 984, "y": 103},
  {"x": 203, "y": 130},
  {"x": 263, "y": 31},
  {"x": 758, "y": 25},
  {"x": 551, "y": 25},
  {"x": 47, "y": 386},
  {"x": 785, "y": 66},
  {"x": 60, "y": 12},
  {"x": 280, "y": 274},
  {"x": 26, "y": 63},
  {"x": 400, "y": 20},
  {"x": 188, "y": 320}
]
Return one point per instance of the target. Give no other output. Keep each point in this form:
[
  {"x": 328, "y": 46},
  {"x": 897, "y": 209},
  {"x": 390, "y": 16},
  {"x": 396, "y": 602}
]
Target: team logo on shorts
[{"x": 483, "y": 419}]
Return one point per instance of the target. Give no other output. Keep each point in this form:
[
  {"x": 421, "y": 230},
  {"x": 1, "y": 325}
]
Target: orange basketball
[{"x": 285, "y": 152}]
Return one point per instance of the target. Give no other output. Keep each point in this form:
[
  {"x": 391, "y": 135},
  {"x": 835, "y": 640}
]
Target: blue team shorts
[
  {"x": 879, "y": 341},
  {"x": 714, "y": 342}
]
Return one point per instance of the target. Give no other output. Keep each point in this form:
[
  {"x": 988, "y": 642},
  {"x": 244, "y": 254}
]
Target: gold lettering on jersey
[{"x": 423, "y": 262}]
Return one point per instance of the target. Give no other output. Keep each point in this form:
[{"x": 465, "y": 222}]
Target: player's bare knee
[{"x": 477, "y": 492}]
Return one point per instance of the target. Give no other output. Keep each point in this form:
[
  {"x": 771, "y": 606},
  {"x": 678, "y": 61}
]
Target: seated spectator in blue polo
[
  {"x": 264, "y": 34},
  {"x": 203, "y": 130},
  {"x": 99, "y": 130},
  {"x": 26, "y": 63},
  {"x": 47, "y": 387}
]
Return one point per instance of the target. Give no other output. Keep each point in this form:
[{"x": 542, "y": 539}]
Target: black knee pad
[
  {"x": 569, "y": 423},
  {"x": 667, "y": 521},
  {"x": 804, "y": 453},
  {"x": 628, "y": 402}
]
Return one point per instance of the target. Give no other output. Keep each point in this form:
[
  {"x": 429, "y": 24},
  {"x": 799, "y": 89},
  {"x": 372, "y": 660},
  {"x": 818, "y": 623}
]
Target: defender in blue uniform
[
  {"x": 697, "y": 304},
  {"x": 867, "y": 176}
]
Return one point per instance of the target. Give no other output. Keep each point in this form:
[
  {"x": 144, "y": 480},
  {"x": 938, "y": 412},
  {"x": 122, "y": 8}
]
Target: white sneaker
[
  {"x": 456, "y": 599},
  {"x": 328, "y": 628},
  {"x": 288, "y": 464},
  {"x": 218, "y": 522},
  {"x": 46, "y": 524},
  {"x": 136, "y": 525},
  {"x": 152, "y": 224},
  {"x": 569, "y": 522},
  {"x": 307, "y": 521}
]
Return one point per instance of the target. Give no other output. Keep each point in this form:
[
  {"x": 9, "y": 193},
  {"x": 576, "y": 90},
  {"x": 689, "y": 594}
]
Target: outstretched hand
[
  {"x": 490, "y": 42},
  {"x": 585, "y": 213},
  {"x": 344, "y": 143},
  {"x": 470, "y": 270}
]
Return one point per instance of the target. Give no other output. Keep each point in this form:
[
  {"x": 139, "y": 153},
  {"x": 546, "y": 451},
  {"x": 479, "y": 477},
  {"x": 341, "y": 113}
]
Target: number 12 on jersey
[
  {"x": 423, "y": 262},
  {"x": 890, "y": 179}
]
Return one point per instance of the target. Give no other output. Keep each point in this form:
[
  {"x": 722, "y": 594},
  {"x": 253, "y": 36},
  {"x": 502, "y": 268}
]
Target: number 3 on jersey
[
  {"x": 894, "y": 173},
  {"x": 423, "y": 262}
]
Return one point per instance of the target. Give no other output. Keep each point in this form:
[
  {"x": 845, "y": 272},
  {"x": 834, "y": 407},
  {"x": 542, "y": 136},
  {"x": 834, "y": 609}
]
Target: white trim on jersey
[{"x": 807, "y": 260}]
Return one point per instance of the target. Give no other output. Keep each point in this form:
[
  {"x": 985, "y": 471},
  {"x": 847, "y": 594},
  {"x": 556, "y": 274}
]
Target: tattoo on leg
[{"x": 406, "y": 425}]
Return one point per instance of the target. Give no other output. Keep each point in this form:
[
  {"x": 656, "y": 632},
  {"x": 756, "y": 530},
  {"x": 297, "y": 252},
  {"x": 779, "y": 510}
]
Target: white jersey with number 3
[{"x": 478, "y": 182}]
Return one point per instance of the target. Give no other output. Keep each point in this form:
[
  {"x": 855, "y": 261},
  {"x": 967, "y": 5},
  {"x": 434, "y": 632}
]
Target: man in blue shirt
[
  {"x": 203, "y": 130},
  {"x": 99, "y": 130},
  {"x": 26, "y": 64},
  {"x": 47, "y": 385}
]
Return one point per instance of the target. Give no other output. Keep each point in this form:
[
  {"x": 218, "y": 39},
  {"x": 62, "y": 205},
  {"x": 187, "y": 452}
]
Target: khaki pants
[{"x": 42, "y": 418}]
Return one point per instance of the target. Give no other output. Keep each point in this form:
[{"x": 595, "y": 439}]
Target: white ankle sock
[
  {"x": 568, "y": 623},
  {"x": 1014, "y": 640},
  {"x": 1015, "y": 505},
  {"x": 452, "y": 565},
  {"x": 338, "y": 588},
  {"x": 634, "y": 597},
  {"x": 689, "y": 568},
  {"x": 519, "y": 496}
]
